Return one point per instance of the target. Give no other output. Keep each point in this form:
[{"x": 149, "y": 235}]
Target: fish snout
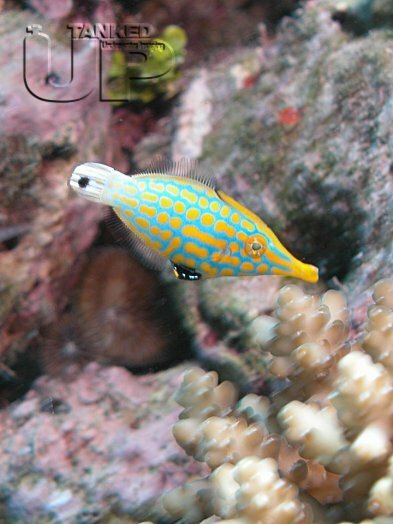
[
  {"x": 306, "y": 272},
  {"x": 89, "y": 180}
]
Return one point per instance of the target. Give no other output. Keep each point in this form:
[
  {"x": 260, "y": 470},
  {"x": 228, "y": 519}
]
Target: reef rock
[
  {"x": 43, "y": 228},
  {"x": 360, "y": 16},
  {"x": 96, "y": 447}
]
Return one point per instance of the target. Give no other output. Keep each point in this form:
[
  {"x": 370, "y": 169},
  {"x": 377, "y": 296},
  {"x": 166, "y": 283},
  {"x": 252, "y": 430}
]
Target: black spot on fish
[
  {"x": 83, "y": 182},
  {"x": 185, "y": 273}
]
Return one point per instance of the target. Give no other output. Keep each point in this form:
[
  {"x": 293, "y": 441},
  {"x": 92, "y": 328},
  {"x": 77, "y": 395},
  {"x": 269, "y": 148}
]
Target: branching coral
[
  {"x": 378, "y": 341},
  {"x": 213, "y": 430},
  {"x": 252, "y": 491},
  {"x": 309, "y": 338},
  {"x": 381, "y": 494},
  {"x": 336, "y": 442},
  {"x": 208, "y": 431},
  {"x": 352, "y": 434},
  {"x": 248, "y": 492},
  {"x": 161, "y": 66}
]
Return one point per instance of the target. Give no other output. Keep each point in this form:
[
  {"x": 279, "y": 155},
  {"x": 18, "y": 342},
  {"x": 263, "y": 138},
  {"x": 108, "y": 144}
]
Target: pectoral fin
[{"x": 134, "y": 245}]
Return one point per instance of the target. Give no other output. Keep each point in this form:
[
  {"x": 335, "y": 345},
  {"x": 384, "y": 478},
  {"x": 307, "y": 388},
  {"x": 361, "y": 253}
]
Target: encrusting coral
[
  {"x": 122, "y": 315},
  {"x": 65, "y": 346},
  {"x": 128, "y": 311},
  {"x": 320, "y": 450}
]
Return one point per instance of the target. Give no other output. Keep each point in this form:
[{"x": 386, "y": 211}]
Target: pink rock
[
  {"x": 41, "y": 142},
  {"x": 117, "y": 448},
  {"x": 52, "y": 10}
]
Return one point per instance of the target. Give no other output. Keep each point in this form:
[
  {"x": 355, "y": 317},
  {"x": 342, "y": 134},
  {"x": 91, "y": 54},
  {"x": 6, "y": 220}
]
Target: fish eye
[
  {"x": 255, "y": 246},
  {"x": 83, "y": 182}
]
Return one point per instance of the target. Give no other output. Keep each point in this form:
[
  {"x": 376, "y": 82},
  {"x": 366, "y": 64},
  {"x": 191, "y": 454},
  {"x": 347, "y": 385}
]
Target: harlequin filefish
[{"x": 176, "y": 213}]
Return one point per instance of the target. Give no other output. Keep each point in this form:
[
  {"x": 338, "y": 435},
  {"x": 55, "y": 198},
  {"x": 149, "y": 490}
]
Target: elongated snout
[
  {"x": 306, "y": 272},
  {"x": 297, "y": 269},
  {"x": 89, "y": 180}
]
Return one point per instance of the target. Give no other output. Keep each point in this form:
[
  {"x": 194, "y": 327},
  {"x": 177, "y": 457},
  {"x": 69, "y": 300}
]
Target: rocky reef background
[{"x": 290, "y": 104}]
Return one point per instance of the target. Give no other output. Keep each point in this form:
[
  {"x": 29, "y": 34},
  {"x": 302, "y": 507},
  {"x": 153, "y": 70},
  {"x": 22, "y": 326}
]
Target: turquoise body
[{"x": 195, "y": 226}]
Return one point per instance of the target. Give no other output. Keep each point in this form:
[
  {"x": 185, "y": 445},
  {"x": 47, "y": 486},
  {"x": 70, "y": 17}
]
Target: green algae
[
  {"x": 19, "y": 166},
  {"x": 8, "y": 295},
  {"x": 155, "y": 77}
]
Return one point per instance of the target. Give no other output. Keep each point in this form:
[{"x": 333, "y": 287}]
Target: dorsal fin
[
  {"x": 134, "y": 245},
  {"x": 185, "y": 168}
]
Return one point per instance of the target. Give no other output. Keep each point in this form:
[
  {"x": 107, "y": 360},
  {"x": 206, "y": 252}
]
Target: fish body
[{"x": 185, "y": 219}]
